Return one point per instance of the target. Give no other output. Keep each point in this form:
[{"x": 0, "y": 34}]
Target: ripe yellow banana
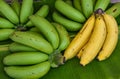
[
  {"x": 95, "y": 42},
  {"x": 80, "y": 39},
  {"x": 111, "y": 39}
]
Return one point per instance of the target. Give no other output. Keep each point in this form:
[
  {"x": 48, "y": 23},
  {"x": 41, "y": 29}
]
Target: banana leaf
[{"x": 107, "y": 69}]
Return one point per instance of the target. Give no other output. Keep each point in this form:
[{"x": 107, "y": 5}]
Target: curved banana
[
  {"x": 95, "y": 42},
  {"x": 114, "y": 10},
  {"x": 16, "y": 6},
  {"x": 43, "y": 11},
  {"x": 42, "y": 24},
  {"x": 64, "y": 36},
  {"x": 5, "y": 24},
  {"x": 28, "y": 58},
  {"x": 69, "y": 11},
  {"x": 26, "y": 11},
  {"x": 111, "y": 39},
  {"x": 77, "y": 5},
  {"x": 5, "y": 33},
  {"x": 8, "y": 12},
  {"x": 87, "y": 7},
  {"x": 28, "y": 72},
  {"x": 17, "y": 47},
  {"x": 103, "y": 4},
  {"x": 32, "y": 39},
  {"x": 80, "y": 39}
]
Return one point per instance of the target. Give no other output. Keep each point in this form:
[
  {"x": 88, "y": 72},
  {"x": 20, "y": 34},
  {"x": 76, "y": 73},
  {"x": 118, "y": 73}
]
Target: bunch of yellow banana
[{"x": 98, "y": 37}]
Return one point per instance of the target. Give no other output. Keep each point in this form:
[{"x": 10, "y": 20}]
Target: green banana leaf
[{"x": 107, "y": 69}]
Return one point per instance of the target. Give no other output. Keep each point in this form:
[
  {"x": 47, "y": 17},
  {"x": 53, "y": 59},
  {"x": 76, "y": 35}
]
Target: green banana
[
  {"x": 28, "y": 58},
  {"x": 26, "y": 11},
  {"x": 17, "y": 47},
  {"x": 103, "y": 4},
  {"x": 35, "y": 29},
  {"x": 69, "y": 11},
  {"x": 8, "y": 12},
  {"x": 32, "y": 39},
  {"x": 42, "y": 24},
  {"x": 77, "y": 5},
  {"x": 87, "y": 7},
  {"x": 114, "y": 10},
  {"x": 64, "y": 36},
  {"x": 4, "y": 48},
  {"x": 5, "y": 24},
  {"x": 28, "y": 72},
  {"x": 69, "y": 2},
  {"x": 5, "y": 33},
  {"x": 68, "y": 24},
  {"x": 94, "y": 2},
  {"x": 43, "y": 11},
  {"x": 16, "y": 6}
]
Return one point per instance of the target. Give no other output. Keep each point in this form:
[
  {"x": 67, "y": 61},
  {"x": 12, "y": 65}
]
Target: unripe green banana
[
  {"x": 5, "y": 33},
  {"x": 42, "y": 24},
  {"x": 114, "y": 10},
  {"x": 87, "y": 7},
  {"x": 26, "y": 11},
  {"x": 69, "y": 2},
  {"x": 4, "y": 48},
  {"x": 28, "y": 58},
  {"x": 8, "y": 12},
  {"x": 16, "y": 6},
  {"x": 43, "y": 11},
  {"x": 69, "y": 11},
  {"x": 68, "y": 24},
  {"x": 35, "y": 29},
  {"x": 17, "y": 47},
  {"x": 28, "y": 72},
  {"x": 103, "y": 4},
  {"x": 64, "y": 36},
  {"x": 5, "y": 24},
  {"x": 77, "y": 5},
  {"x": 32, "y": 39}
]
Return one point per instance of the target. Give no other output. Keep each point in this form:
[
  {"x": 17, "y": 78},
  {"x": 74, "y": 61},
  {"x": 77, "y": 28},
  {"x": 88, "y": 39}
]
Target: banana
[
  {"x": 4, "y": 48},
  {"x": 16, "y": 6},
  {"x": 43, "y": 11},
  {"x": 5, "y": 24},
  {"x": 8, "y": 12},
  {"x": 42, "y": 24},
  {"x": 64, "y": 36},
  {"x": 111, "y": 39},
  {"x": 87, "y": 7},
  {"x": 32, "y": 39},
  {"x": 5, "y": 33},
  {"x": 80, "y": 39},
  {"x": 114, "y": 10},
  {"x": 77, "y": 5},
  {"x": 95, "y": 42},
  {"x": 28, "y": 58},
  {"x": 17, "y": 47},
  {"x": 69, "y": 2},
  {"x": 68, "y": 24},
  {"x": 28, "y": 72},
  {"x": 103, "y": 4},
  {"x": 69, "y": 11},
  {"x": 26, "y": 11},
  {"x": 35, "y": 29}
]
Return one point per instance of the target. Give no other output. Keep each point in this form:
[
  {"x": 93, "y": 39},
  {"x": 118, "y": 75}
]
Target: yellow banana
[
  {"x": 111, "y": 39},
  {"x": 80, "y": 39},
  {"x": 95, "y": 42}
]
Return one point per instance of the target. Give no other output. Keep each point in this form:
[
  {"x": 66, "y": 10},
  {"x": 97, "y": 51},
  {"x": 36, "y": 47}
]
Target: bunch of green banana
[
  {"x": 34, "y": 47},
  {"x": 98, "y": 37}
]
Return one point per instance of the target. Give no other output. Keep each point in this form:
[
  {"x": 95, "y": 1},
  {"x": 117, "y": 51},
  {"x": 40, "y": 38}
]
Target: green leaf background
[{"x": 107, "y": 69}]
